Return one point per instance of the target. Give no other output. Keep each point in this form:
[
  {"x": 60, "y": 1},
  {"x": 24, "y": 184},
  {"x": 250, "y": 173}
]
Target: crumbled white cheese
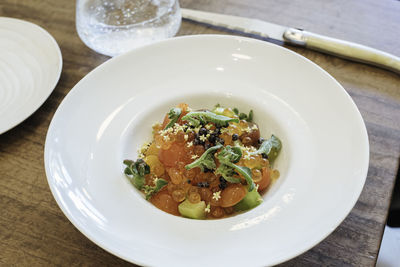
[
  {"x": 194, "y": 156},
  {"x": 186, "y": 137},
  {"x": 189, "y": 144}
]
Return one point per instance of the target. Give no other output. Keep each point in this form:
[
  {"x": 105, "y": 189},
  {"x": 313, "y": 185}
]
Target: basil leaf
[
  {"x": 270, "y": 147},
  {"x": 227, "y": 157},
  {"x": 246, "y": 172},
  {"x": 228, "y": 172},
  {"x": 230, "y": 155},
  {"x": 173, "y": 115},
  {"x": 203, "y": 117},
  {"x": 206, "y": 160}
]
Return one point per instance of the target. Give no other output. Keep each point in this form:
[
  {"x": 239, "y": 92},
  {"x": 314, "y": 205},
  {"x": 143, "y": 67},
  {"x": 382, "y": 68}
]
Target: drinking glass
[{"x": 112, "y": 27}]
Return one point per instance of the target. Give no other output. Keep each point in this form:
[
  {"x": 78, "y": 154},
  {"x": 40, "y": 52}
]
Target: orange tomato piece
[
  {"x": 170, "y": 157},
  {"x": 265, "y": 180},
  {"x": 232, "y": 195},
  {"x": 165, "y": 202},
  {"x": 184, "y": 107}
]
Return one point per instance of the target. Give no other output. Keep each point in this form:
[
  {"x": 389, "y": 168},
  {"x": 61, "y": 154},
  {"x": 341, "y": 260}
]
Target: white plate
[
  {"x": 30, "y": 66},
  {"x": 109, "y": 113}
]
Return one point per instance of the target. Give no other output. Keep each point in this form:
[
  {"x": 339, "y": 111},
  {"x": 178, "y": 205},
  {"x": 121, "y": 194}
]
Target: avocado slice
[
  {"x": 251, "y": 200},
  {"x": 193, "y": 211}
]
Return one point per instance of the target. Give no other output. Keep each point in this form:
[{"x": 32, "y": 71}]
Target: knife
[{"x": 337, "y": 47}]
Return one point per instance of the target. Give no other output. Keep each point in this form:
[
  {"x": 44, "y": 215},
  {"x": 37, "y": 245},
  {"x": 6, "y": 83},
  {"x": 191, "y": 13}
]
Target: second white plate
[{"x": 30, "y": 66}]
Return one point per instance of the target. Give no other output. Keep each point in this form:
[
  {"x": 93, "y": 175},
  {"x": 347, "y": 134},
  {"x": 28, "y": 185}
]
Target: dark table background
[{"x": 34, "y": 231}]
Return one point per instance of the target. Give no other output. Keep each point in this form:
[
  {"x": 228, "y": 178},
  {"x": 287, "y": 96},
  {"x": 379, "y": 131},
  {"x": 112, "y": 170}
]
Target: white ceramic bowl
[{"x": 109, "y": 114}]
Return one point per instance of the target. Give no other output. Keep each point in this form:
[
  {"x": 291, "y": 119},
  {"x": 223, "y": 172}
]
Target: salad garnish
[{"x": 205, "y": 164}]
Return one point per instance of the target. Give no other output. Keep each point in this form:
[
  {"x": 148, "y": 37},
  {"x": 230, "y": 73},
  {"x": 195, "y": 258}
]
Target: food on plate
[{"x": 205, "y": 164}]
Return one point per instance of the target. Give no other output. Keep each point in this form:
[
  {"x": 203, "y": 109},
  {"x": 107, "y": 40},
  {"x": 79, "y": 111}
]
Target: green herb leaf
[
  {"x": 230, "y": 155},
  {"x": 250, "y": 117},
  {"x": 236, "y": 111},
  {"x": 242, "y": 116},
  {"x": 173, "y": 115},
  {"x": 206, "y": 160},
  {"x": 228, "y": 173},
  {"x": 135, "y": 172},
  {"x": 246, "y": 172},
  {"x": 227, "y": 157},
  {"x": 270, "y": 147},
  {"x": 149, "y": 191},
  {"x": 203, "y": 117}
]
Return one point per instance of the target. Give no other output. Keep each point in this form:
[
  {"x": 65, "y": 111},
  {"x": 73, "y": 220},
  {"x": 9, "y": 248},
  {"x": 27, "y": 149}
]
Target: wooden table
[{"x": 34, "y": 231}]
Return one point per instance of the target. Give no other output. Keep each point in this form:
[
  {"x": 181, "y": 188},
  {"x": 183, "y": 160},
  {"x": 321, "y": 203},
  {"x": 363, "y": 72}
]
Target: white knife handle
[{"x": 343, "y": 49}]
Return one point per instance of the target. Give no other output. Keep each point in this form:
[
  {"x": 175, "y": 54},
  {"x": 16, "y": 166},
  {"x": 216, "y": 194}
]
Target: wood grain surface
[{"x": 34, "y": 231}]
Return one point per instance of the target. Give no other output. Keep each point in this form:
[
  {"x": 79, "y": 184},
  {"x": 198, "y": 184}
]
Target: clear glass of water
[{"x": 112, "y": 27}]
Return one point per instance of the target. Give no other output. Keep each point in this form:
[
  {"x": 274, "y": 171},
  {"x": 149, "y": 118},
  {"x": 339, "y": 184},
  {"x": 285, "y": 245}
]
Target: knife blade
[{"x": 292, "y": 36}]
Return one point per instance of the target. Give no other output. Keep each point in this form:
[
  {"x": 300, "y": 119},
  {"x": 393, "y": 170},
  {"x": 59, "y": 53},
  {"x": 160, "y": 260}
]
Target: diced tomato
[
  {"x": 232, "y": 195},
  {"x": 173, "y": 155},
  {"x": 265, "y": 180},
  {"x": 165, "y": 202}
]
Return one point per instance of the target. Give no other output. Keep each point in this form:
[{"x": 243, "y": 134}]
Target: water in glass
[{"x": 112, "y": 27}]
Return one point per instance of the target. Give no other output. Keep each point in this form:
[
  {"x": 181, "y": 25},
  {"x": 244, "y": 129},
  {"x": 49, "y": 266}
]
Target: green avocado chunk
[
  {"x": 251, "y": 200},
  {"x": 193, "y": 211}
]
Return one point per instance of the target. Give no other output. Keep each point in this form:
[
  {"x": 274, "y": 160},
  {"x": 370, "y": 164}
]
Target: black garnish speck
[
  {"x": 207, "y": 170},
  {"x": 203, "y": 184},
  {"x": 235, "y": 137},
  {"x": 222, "y": 186},
  {"x": 202, "y": 131},
  {"x": 265, "y": 156},
  {"x": 212, "y": 137}
]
